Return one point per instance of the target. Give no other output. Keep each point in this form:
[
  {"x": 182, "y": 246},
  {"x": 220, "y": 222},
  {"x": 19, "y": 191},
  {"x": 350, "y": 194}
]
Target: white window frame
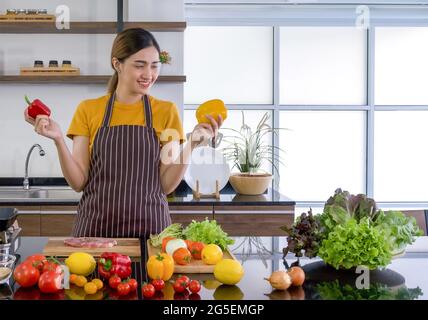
[{"x": 276, "y": 14}]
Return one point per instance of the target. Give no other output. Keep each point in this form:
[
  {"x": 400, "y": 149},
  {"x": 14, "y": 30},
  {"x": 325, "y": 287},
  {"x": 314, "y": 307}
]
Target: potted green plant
[{"x": 248, "y": 151}]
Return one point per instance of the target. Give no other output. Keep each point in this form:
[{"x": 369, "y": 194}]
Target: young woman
[{"x": 118, "y": 140}]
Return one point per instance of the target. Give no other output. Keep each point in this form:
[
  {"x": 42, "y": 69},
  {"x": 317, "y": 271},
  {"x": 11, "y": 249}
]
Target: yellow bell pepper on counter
[{"x": 160, "y": 266}]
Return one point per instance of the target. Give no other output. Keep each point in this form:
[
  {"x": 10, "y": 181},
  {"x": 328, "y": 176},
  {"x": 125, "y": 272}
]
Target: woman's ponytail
[{"x": 112, "y": 83}]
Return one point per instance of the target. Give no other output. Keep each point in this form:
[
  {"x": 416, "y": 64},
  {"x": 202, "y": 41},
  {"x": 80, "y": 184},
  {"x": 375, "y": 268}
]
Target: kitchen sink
[{"x": 38, "y": 193}]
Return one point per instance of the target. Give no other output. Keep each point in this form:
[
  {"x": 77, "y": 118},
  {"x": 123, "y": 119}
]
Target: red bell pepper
[
  {"x": 112, "y": 263},
  {"x": 36, "y": 108}
]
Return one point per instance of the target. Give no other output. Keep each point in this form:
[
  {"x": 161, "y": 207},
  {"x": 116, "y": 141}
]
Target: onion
[
  {"x": 173, "y": 245},
  {"x": 279, "y": 280},
  {"x": 297, "y": 276}
]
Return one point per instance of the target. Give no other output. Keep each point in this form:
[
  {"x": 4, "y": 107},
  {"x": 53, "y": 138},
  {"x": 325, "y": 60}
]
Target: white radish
[{"x": 173, "y": 245}]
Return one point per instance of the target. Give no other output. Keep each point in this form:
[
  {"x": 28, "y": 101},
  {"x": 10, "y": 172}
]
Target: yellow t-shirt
[{"x": 89, "y": 116}]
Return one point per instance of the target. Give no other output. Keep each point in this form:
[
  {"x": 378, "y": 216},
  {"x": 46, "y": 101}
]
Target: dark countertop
[
  {"x": 61, "y": 194},
  {"x": 404, "y": 278}
]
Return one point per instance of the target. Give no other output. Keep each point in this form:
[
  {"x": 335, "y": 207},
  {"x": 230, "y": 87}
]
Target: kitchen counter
[
  {"x": 50, "y": 206},
  {"x": 404, "y": 278},
  {"x": 54, "y": 191}
]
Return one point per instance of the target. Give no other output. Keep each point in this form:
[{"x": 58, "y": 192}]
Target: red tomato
[
  {"x": 26, "y": 274},
  {"x": 164, "y": 242},
  {"x": 195, "y": 286},
  {"x": 123, "y": 289},
  {"x": 22, "y": 293},
  {"x": 194, "y": 296},
  {"x": 179, "y": 285},
  {"x": 182, "y": 256},
  {"x": 50, "y": 282},
  {"x": 52, "y": 266},
  {"x": 159, "y": 284},
  {"x": 133, "y": 284},
  {"x": 148, "y": 290},
  {"x": 114, "y": 281},
  {"x": 186, "y": 280},
  {"x": 196, "y": 250},
  {"x": 37, "y": 260}
]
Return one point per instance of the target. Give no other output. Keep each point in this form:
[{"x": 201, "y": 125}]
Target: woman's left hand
[{"x": 204, "y": 132}]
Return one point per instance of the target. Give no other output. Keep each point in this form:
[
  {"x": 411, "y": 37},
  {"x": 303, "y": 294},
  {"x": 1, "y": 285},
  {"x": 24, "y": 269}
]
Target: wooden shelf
[
  {"x": 82, "y": 79},
  {"x": 88, "y": 27}
]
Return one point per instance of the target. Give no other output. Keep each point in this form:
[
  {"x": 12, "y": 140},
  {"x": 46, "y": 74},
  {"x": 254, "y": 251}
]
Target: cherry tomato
[
  {"x": 148, "y": 290},
  {"x": 185, "y": 279},
  {"x": 123, "y": 289},
  {"x": 159, "y": 284},
  {"x": 196, "y": 250},
  {"x": 50, "y": 282},
  {"x": 179, "y": 285},
  {"x": 195, "y": 286},
  {"x": 26, "y": 274},
  {"x": 133, "y": 284},
  {"x": 114, "y": 281}
]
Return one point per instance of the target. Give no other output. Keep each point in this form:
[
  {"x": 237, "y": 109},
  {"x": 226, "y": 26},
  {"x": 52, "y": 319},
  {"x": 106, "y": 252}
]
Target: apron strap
[
  {"x": 109, "y": 110},
  {"x": 147, "y": 111}
]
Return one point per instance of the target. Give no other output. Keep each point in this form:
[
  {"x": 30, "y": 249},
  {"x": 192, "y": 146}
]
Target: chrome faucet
[{"x": 26, "y": 182}]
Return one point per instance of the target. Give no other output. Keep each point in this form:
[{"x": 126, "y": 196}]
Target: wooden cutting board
[
  {"x": 127, "y": 246},
  {"x": 195, "y": 266}
]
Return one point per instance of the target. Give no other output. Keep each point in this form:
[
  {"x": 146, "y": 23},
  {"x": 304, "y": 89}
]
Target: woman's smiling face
[{"x": 139, "y": 71}]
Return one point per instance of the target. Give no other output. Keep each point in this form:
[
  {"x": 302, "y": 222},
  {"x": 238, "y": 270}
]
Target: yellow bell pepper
[
  {"x": 160, "y": 266},
  {"x": 214, "y": 108}
]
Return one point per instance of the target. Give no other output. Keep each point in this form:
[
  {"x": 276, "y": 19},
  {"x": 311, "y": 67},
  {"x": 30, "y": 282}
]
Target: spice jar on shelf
[
  {"x": 66, "y": 63},
  {"x": 53, "y": 64},
  {"x": 10, "y": 11},
  {"x": 38, "y": 64}
]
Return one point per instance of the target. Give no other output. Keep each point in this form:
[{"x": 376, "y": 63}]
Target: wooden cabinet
[
  {"x": 57, "y": 221},
  {"x": 254, "y": 220},
  {"x": 262, "y": 220},
  {"x": 185, "y": 214}
]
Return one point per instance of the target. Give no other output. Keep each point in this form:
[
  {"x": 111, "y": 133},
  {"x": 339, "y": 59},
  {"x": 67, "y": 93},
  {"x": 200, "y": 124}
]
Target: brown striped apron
[{"x": 123, "y": 197}]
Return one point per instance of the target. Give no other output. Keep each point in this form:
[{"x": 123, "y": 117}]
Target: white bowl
[{"x": 7, "y": 261}]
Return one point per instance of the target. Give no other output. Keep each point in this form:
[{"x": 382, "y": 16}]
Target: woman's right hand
[{"x": 44, "y": 126}]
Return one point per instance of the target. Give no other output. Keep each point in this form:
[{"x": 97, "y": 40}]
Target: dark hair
[{"x": 127, "y": 43}]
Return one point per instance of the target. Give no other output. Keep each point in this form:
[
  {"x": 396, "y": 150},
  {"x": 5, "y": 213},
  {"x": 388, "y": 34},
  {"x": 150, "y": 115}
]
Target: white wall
[{"x": 89, "y": 52}]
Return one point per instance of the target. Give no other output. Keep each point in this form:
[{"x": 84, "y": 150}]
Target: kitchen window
[{"x": 331, "y": 80}]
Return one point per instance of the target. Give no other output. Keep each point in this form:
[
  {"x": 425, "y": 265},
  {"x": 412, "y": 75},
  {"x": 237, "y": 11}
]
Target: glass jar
[
  {"x": 66, "y": 63},
  {"x": 38, "y": 64},
  {"x": 53, "y": 64}
]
